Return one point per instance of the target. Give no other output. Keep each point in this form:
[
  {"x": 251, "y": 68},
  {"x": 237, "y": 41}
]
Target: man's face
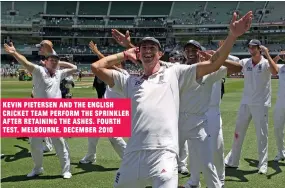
[
  {"x": 149, "y": 52},
  {"x": 253, "y": 50},
  {"x": 45, "y": 49},
  {"x": 52, "y": 63},
  {"x": 191, "y": 53}
]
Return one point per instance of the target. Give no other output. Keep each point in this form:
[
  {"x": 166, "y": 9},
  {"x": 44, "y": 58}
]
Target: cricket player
[
  {"x": 254, "y": 105},
  {"x": 152, "y": 151},
  {"x": 46, "y": 85},
  {"x": 279, "y": 111},
  {"x": 175, "y": 57},
  {"x": 215, "y": 124},
  {"x": 118, "y": 143},
  {"x": 193, "y": 120}
]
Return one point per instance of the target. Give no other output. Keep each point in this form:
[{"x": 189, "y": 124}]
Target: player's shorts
[{"x": 142, "y": 168}]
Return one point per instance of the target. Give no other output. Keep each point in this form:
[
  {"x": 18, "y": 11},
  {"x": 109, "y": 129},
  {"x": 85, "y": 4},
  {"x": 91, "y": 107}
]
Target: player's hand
[
  {"x": 239, "y": 27},
  {"x": 204, "y": 56},
  {"x": 10, "y": 49},
  {"x": 264, "y": 49},
  {"x": 132, "y": 55},
  {"x": 123, "y": 40},
  {"x": 93, "y": 47},
  {"x": 42, "y": 62}
]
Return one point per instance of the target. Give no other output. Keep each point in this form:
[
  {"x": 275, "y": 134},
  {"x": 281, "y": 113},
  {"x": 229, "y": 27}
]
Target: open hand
[
  {"x": 10, "y": 49},
  {"x": 239, "y": 27},
  {"x": 204, "y": 56},
  {"x": 132, "y": 55},
  {"x": 123, "y": 40},
  {"x": 93, "y": 47}
]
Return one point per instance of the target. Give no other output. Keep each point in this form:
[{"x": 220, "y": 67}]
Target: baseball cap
[
  {"x": 48, "y": 42},
  {"x": 152, "y": 39},
  {"x": 254, "y": 42},
  {"x": 195, "y": 43},
  {"x": 53, "y": 54}
]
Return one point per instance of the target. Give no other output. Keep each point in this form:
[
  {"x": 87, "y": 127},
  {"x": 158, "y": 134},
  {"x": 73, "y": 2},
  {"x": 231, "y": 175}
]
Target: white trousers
[
  {"x": 279, "y": 123},
  {"x": 61, "y": 148},
  {"x": 259, "y": 114},
  {"x": 148, "y": 167},
  {"x": 183, "y": 156},
  {"x": 193, "y": 129},
  {"x": 118, "y": 144},
  {"x": 47, "y": 144},
  {"x": 217, "y": 141}
]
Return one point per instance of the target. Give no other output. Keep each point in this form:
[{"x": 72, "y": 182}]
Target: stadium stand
[
  {"x": 93, "y": 8},
  {"x": 275, "y": 11},
  {"x": 125, "y": 8},
  {"x": 71, "y": 25}
]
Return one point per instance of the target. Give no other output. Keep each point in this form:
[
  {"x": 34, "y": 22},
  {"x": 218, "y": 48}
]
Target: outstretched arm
[
  {"x": 95, "y": 50},
  {"x": 237, "y": 28},
  {"x": 20, "y": 58},
  {"x": 100, "y": 67}
]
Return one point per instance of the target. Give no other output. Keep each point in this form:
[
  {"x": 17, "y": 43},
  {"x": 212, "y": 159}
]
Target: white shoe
[
  {"x": 86, "y": 161},
  {"x": 262, "y": 169},
  {"x": 35, "y": 173},
  {"x": 67, "y": 175},
  {"x": 183, "y": 170},
  {"x": 279, "y": 158},
  {"x": 47, "y": 149}
]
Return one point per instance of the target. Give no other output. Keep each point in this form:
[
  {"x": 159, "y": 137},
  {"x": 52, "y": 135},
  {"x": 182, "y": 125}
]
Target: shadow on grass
[
  {"x": 25, "y": 178},
  {"x": 24, "y": 153},
  {"x": 240, "y": 174},
  {"x": 23, "y": 138},
  {"x": 91, "y": 168}
]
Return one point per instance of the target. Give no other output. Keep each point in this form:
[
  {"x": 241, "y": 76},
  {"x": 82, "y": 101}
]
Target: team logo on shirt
[
  {"x": 249, "y": 69},
  {"x": 259, "y": 67}
]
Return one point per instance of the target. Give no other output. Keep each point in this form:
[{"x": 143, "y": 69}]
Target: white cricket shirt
[
  {"x": 257, "y": 82},
  {"x": 196, "y": 99},
  {"x": 46, "y": 86},
  {"x": 217, "y": 87},
  {"x": 109, "y": 93},
  {"x": 155, "y": 106},
  {"x": 281, "y": 88},
  {"x": 216, "y": 94}
]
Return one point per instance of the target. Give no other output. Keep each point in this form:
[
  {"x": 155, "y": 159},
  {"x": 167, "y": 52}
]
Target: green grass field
[{"x": 17, "y": 163}]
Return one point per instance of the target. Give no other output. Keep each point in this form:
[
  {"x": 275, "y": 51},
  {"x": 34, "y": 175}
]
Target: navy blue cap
[
  {"x": 195, "y": 43},
  {"x": 150, "y": 39},
  {"x": 254, "y": 42}
]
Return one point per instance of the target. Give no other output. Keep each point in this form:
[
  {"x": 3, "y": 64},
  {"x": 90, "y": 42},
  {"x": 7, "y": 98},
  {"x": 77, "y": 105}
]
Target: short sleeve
[
  {"x": 218, "y": 75},
  {"x": 37, "y": 71},
  {"x": 233, "y": 58},
  {"x": 267, "y": 66},
  {"x": 64, "y": 73},
  {"x": 242, "y": 63},
  {"x": 186, "y": 75},
  {"x": 120, "y": 81}
]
